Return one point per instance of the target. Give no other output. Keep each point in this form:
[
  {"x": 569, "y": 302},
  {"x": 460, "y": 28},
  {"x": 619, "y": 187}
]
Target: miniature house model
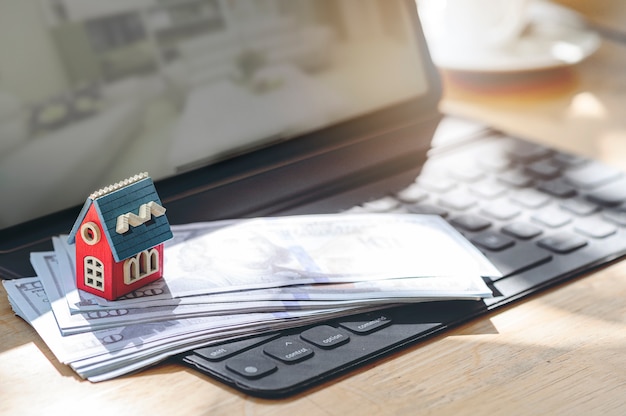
[{"x": 119, "y": 237}]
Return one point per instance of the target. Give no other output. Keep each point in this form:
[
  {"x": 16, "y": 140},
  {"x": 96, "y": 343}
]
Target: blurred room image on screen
[{"x": 100, "y": 90}]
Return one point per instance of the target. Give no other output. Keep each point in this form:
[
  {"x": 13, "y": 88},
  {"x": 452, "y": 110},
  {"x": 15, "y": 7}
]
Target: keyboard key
[
  {"x": 412, "y": 194},
  {"x": 492, "y": 240},
  {"x": 458, "y": 200},
  {"x": 436, "y": 184},
  {"x": 494, "y": 162},
  {"x": 522, "y": 230},
  {"x": 518, "y": 258},
  {"x": 558, "y": 188},
  {"x": 325, "y": 336},
  {"x": 568, "y": 160},
  {"x": 595, "y": 228},
  {"x": 470, "y": 222},
  {"x": 489, "y": 189},
  {"x": 288, "y": 350},
  {"x": 251, "y": 366},
  {"x": 579, "y": 206},
  {"x": 617, "y": 217},
  {"x": 222, "y": 351},
  {"x": 516, "y": 178},
  {"x": 466, "y": 173},
  {"x": 501, "y": 210},
  {"x": 530, "y": 198},
  {"x": 592, "y": 175},
  {"x": 526, "y": 152},
  {"x": 543, "y": 170},
  {"x": 552, "y": 217},
  {"x": 384, "y": 204},
  {"x": 366, "y": 324},
  {"x": 562, "y": 243},
  {"x": 427, "y": 209},
  {"x": 610, "y": 195}
]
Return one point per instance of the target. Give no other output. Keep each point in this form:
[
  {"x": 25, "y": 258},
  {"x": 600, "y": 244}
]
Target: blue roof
[{"x": 122, "y": 201}]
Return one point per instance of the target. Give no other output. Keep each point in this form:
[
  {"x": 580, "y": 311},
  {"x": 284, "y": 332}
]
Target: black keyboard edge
[
  {"x": 475, "y": 309},
  {"x": 519, "y": 286},
  {"x": 249, "y": 387}
]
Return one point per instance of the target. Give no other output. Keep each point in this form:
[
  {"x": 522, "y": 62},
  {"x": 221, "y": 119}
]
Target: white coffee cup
[{"x": 475, "y": 24}]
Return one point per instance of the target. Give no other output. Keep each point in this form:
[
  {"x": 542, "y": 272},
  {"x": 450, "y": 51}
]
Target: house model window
[
  {"x": 119, "y": 236},
  {"x": 94, "y": 273},
  {"x": 141, "y": 266},
  {"x": 90, "y": 233}
]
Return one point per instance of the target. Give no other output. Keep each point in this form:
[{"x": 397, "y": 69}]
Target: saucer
[{"x": 545, "y": 43}]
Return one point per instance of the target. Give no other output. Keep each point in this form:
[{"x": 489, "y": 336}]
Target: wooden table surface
[{"x": 560, "y": 352}]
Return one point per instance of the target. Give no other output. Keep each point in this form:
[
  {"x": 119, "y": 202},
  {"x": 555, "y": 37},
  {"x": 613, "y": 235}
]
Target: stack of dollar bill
[{"x": 229, "y": 279}]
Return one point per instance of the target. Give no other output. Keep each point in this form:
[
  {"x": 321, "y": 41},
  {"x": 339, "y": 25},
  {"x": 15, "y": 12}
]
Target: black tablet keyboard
[{"x": 541, "y": 216}]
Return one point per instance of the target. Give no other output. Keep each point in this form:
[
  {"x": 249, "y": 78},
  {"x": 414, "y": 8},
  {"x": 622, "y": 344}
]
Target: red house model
[{"x": 119, "y": 237}]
